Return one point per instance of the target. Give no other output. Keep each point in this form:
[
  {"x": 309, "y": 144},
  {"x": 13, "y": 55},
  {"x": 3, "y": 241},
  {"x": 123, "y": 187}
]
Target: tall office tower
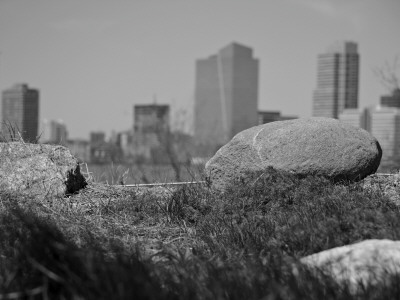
[
  {"x": 226, "y": 94},
  {"x": 337, "y": 80},
  {"x": 20, "y": 113},
  {"x": 391, "y": 100}
]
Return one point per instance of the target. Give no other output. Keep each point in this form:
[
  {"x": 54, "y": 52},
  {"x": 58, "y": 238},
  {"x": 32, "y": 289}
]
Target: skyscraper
[
  {"x": 20, "y": 113},
  {"x": 337, "y": 80},
  {"x": 226, "y": 94}
]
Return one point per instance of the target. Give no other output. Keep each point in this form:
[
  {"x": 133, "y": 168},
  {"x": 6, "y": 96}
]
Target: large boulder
[
  {"x": 39, "y": 170},
  {"x": 365, "y": 263},
  {"x": 310, "y": 146}
]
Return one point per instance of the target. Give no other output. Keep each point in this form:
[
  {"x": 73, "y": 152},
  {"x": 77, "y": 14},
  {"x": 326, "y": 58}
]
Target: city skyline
[{"x": 93, "y": 60}]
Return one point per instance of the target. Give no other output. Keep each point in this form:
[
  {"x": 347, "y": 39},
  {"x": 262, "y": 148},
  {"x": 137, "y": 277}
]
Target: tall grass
[
  {"x": 191, "y": 243},
  {"x": 142, "y": 173}
]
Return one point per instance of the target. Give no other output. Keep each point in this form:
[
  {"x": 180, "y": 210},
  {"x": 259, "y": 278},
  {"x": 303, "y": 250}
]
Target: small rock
[
  {"x": 367, "y": 263},
  {"x": 311, "y": 146},
  {"x": 39, "y": 170}
]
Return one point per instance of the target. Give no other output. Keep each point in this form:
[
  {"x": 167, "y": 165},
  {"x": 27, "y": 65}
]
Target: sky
[{"x": 92, "y": 60}]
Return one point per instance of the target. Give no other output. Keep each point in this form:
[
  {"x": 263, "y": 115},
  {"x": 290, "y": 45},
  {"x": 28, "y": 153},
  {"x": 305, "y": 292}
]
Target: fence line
[{"x": 164, "y": 184}]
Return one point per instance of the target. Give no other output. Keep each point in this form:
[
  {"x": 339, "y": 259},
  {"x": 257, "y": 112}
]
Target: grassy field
[
  {"x": 110, "y": 242},
  {"x": 145, "y": 173}
]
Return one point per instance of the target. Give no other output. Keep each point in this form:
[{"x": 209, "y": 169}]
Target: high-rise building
[
  {"x": 20, "y": 113},
  {"x": 391, "y": 100},
  {"x": 337, "y": 80},
  {"x": 226, "y": 94},
  {"x": 54, "y": 132}
]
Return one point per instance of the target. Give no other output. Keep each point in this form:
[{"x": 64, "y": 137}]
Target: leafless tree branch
[{"x": 388, "y": 74}]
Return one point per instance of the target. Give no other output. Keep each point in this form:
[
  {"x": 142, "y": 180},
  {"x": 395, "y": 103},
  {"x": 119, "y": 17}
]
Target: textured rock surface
[
  {"x": 312, "y": 146},
  {"x": 39, "y": 170},
  {"x": 366, "y": 262}
]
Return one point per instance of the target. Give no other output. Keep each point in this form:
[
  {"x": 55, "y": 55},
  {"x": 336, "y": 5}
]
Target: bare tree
[
  {"x": 175, "y": 143},
  {"x": 388, "y": 74}
]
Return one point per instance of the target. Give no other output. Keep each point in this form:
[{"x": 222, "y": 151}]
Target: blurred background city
[{"x": 169, "y": 82}]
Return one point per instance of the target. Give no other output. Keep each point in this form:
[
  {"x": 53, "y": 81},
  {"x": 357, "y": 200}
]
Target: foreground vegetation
[{"x": 110, "y": 242}]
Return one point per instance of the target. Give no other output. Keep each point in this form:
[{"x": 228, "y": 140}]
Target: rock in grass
[
  {"x": 365, "y": 263},
  {"x": 311, "y": 146},
  {"x": 39, "y": 170}
]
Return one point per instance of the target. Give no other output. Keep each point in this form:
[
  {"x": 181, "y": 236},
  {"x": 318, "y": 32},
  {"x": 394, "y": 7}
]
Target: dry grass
[{"x": 113, "y": 242}]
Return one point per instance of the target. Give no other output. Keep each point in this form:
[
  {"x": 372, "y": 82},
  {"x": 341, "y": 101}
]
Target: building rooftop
[{"x": 348, "y": 47}]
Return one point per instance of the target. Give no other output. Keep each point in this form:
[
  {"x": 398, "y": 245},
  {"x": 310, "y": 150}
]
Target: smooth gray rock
[
  {"x": 39, "y": 170},
  {"x": 310, "y": 146},
  {"x": 365, "y": 263}
]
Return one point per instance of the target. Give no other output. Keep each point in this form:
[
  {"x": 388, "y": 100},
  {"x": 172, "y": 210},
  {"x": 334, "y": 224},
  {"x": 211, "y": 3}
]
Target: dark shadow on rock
[{"x": 75, "y": 181}]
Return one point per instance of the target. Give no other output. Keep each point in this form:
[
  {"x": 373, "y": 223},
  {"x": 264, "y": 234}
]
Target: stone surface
[
  {"x": 39, "y": 170},
  {"x": 310, "y": 146},
  {"x": 366, "y": 262}
]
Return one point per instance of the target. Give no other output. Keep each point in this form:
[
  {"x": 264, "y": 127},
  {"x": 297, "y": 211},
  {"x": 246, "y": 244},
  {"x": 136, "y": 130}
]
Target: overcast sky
[{"x": 92, "y": 60}]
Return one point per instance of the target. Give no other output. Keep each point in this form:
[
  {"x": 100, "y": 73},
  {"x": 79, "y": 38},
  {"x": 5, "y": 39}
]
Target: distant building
[
  {"x": 272, "y": 116},
  {"x": 391, "y": 100},
  {"x": 357, "y": 117},
  {"x": 151, "y": 118},
  {"x": 151, "y": 127},
  {"x": 226, "y": 94},
  {"x": 102, "y": 151},
  {"x": 54, "y": 132},
  {"x": 337, "y": 80},
  {"x": 384, "y": 124},
  {"x": 97, "y": 137},
  {"x": 20, "y": 113},
  {"x": 385, "y": 127},
  {"x": 80, "y": 149},
  {"x": 268, "y": 116},
  {"x": 125, "y": 143}
]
